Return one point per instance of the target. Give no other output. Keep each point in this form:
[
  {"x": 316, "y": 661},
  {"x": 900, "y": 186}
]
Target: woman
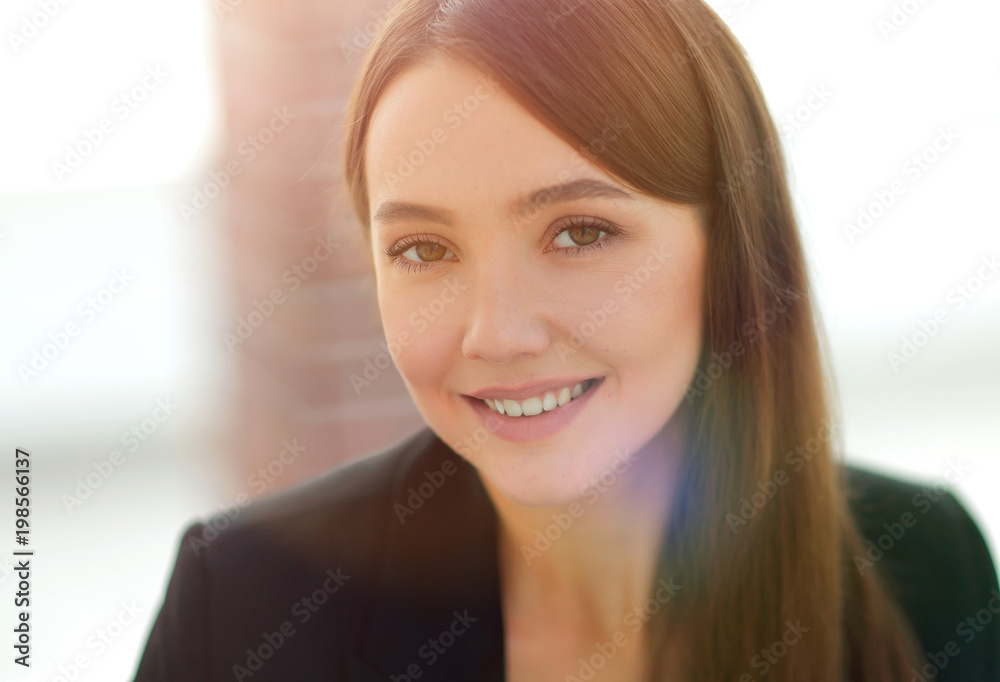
[{"x": 589, "y": 273}]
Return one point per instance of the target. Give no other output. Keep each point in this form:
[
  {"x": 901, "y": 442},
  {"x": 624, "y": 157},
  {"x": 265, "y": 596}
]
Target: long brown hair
[{"x": 760, "y": 536}]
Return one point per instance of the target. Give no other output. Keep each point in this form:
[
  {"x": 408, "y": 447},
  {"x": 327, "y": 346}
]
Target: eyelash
[{"x": 403, "y": 264}]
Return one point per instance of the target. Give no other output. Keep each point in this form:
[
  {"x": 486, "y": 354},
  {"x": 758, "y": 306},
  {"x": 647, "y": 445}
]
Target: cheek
[
  {"x": 652, "y": 334},
  {"x": 646, "y": 309},
  {"x": 419, "y": 329}
]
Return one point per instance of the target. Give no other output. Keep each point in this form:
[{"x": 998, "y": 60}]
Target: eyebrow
[{"x": 585, "y": 188}]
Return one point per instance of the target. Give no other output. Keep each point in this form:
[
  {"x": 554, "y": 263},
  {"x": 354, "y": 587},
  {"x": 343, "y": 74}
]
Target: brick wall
[{"x": 289, "y": 58}]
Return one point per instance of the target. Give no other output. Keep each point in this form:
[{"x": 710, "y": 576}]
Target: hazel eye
[
  {"x": 425, "y": 252},
  {"x": 578, "y": 235}
]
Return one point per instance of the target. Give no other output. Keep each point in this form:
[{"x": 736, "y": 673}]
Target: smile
[
  {"x": 545, "y": 402},
  {"x": 533, "y": 421}
]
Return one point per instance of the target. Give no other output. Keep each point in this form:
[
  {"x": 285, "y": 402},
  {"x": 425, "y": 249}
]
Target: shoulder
[
  {"x": 340, "y": 518},
  {"x": 359, "y": 491},
  {"x": 292, "y": 571},
  {"x": 932, "y": 556}
]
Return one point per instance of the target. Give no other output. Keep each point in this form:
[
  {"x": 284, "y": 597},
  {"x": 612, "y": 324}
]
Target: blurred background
[{"x": 185, "y": 294}]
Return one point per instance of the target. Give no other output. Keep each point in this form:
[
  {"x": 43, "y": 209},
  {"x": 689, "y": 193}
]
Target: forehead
[{"x": 446, "y": 134}]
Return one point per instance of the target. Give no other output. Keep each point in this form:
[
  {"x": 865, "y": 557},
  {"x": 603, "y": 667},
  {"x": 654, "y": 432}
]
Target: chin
[
  {"x": 538, "y": 496},
  {"x": 535, "y": 484}
]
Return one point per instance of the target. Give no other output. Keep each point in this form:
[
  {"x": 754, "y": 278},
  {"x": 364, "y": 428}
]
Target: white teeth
[
  {"x": 532, "y": 406},
  {"x": 513, "y": 409}
]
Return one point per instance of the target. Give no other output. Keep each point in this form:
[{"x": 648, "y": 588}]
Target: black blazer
[{"x": 385, "y": 568}]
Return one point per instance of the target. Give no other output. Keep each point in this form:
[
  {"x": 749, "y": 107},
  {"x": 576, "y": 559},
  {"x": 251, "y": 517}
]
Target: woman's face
[{"x": 520, "y": 269}]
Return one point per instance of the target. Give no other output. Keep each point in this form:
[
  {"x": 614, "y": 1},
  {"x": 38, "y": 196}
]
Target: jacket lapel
[{"x": 436, "y": 612}]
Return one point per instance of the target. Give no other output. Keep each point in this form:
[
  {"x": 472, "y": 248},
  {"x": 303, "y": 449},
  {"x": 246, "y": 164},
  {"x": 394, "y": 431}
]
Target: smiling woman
[
  {"x": 538, "y": 238},
  {"x": 584, "y": 247}
]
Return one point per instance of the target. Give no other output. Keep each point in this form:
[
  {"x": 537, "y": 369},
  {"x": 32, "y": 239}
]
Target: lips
[{"x": 537, "y": 427}]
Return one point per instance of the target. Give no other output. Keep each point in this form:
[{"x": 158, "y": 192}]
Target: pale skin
[{"x": 527, "y": 288}]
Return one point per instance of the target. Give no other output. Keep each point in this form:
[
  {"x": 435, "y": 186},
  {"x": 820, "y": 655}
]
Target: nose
[{"x": 507, "y": 318}]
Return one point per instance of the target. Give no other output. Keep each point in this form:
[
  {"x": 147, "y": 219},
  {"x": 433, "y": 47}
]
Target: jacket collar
[{"x": 436, "y": 608}]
